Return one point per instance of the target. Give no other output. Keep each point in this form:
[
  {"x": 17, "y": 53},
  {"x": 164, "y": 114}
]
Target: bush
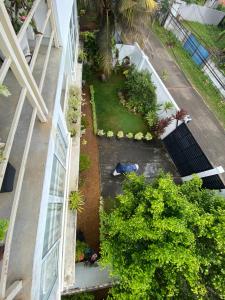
[
  {"x": 140, "y": 91},
  {"x": 138, "y": 136},
  {"x": 101, "y": 132},
  {"x": 73, "y": 113},
  {"x": 120, "y": 134},
  {"x": 4, "y": 224},
  {"x": 80, "y": 296},
  {"x": 80, "y": 249},
  {"x": 148, "y": 136},
  {"x": 84, "y": 122},
  {"x": 76, "y": 201},
  {"x": 85, "y": 162},
  {"x": 94, "y": 116},
  {"x": 129, "y": 135},
  {"x": 110, "y": 134}
]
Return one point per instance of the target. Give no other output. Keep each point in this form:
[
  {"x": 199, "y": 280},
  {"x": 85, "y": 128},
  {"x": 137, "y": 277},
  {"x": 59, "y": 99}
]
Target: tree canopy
[{"x": 165, "y": 240}]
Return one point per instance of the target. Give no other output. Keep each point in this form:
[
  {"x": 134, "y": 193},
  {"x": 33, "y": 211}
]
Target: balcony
[{"x": 25, "y": 125}]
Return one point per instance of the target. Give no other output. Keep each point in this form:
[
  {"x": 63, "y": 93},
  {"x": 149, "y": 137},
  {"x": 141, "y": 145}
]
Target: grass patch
[
  {"x": 195, "y": 75},
  {"x": 207, "y": 34},
  {"x": 111, "y": 114}
]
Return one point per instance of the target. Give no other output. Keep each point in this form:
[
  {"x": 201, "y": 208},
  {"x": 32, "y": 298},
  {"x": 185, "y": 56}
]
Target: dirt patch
[{"x": 88, "y": 220}]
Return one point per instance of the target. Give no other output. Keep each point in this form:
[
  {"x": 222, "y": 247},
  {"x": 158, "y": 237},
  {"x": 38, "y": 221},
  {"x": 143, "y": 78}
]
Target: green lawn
[
  {"x": 207, "y": 34},
  {"x": 111, "y": 115},
  {"x": 199, "y": 80}
]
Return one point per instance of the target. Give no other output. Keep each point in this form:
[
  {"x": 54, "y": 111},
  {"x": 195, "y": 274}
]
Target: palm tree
[{"x": 116, "y": 15}]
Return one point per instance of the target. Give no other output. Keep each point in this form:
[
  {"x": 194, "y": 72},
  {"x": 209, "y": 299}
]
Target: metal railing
[{"x": 10, "y": 46}]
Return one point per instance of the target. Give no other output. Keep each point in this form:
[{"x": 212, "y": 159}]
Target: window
[{"x": 53, "y": 225}]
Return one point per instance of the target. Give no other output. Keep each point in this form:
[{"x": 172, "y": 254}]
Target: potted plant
[
  {"x": 76, "y": 201},
  {"x": 4, "y": 224}
]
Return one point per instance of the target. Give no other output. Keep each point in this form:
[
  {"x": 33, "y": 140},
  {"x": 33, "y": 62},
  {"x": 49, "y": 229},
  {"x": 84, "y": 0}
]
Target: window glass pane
[
  {"x": 53, "y": 226},
  {"x": 57, "y": 179},
  {"x": 60, "y": 147},
  {"x": 49, "y": 273}
]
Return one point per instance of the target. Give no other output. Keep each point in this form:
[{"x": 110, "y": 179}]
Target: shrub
[
  {"x": 94, "y": 116},
  {"x": 85, "y": 162},
  {"x": 148, "y": 136},
  {"x": 84, "y": 122},
  {"x": 4, "y": 224},
  {"x": 80, "y": 249},
  {"x": 140, "y": 91},
  {"x": 120, "y": 134},
  {"x": 138, "y": 136},
  {"x": 73, "y": 105},
  {"x": 110, "y": 134},
  {"x": 151, "y": 118},
  {"x": 129, "y": 135},
  {"x": 160, "y": 127},
  {"x": 101, "y": 132},
  {"x": 80, "y": 296},
  {"x": 76, "y": 201}
]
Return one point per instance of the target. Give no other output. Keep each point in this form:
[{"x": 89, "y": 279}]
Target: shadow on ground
[{"x": 150, "y": 156}]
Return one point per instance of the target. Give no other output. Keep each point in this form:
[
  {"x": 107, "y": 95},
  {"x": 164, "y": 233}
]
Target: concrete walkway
[{"x": 204, "y": 126}]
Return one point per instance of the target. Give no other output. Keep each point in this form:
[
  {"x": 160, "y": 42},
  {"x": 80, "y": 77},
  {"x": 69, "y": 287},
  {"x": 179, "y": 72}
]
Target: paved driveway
[{"x": 150, "y": 156}]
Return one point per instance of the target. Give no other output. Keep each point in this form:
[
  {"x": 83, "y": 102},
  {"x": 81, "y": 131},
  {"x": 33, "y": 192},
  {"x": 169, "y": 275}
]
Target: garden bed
[
  {"x": 88, "y": 219},
  {"x": 111, "y": 114}
]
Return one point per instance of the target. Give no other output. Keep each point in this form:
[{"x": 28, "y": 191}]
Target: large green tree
[
  {"x": 117, "y": 15},
  {"x": 165, "y": 240}
]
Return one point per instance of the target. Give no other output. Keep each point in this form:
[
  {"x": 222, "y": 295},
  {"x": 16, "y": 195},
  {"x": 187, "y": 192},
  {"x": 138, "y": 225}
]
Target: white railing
[{"x": 10, "y": 46}]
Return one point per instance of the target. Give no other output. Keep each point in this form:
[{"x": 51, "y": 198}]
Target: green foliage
[
  {"x": 76, "y": 201},
  {"x": 109, "y": 134},
  {"x": 111, "y": 114},
  {"x": 85, "y": 162},
  {"x": 129, "y": 135},
  {"x": 148, "y": 136},
  {"x": 73, "y": 113},
  {"x": 101, "y": 132},
  {"x": 140, "y": 91},
  {"x": 81, "y": 296},
  {"x": 151, "y": 118},
  {"x": 82, "y": 56},
  {"x": 94, "y": 117},
  {"x": 138, "y": 136},
  {"x": 84, "y": 122},
  {"x": 4, "y": 90},
  {"x": 2, "y": 158},
  {"x": 120, "y": 134},
  {"x": 167, "y": 106},
  {"x": 165, "y": 240},
  {"x": 4, "y": 224},
  {"x": 80, "y": 250},
  {"x": 90, "y": 48}
]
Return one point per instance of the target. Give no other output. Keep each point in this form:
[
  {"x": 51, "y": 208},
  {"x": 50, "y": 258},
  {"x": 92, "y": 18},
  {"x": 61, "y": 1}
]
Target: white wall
[
  {"x": 138, "y": 58},
  {"x": 197, "y": 13}
]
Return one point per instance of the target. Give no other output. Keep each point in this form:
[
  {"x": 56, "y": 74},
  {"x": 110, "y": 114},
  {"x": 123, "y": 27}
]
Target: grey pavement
[
  {"x": 150, "y": 156},
  {"x": 204, "y": 126}
]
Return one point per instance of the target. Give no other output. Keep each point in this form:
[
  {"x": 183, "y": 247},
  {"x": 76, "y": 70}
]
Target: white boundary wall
[
  {"x": 197, "y": 13},
  {"x": 141, "y": 61}
]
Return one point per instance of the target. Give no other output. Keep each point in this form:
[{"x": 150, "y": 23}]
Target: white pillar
[{"x": 215, "y": 171}]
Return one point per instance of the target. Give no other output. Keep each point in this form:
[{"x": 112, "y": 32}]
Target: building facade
[{"x": 38, "y": 65}]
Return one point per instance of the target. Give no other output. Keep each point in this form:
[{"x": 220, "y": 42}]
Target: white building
[{"x": 38, "y": 145}]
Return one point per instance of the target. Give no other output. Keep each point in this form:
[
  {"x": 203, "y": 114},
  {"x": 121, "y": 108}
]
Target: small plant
[
  {"x": 151, "y": 118},
  {"x": 129, "y": 135},
  {"x": 94, "y": 116},
  {"x": 84, "y": 142},
  {"x": 100, "y": 132},
  {"x": 165, "y": 75},
  {"x": 82, "y": 56},
  {"x": 4, "y": 224},
  {"x": 148, "y": 136},
  {"x": 109, "y": 134},
  {"x": 138, "y": 136},
  {"x": 76, "y": 201},
  {"x": 120, "y": 134},
  {"x": 85, "y": 162},
  {"x": 180, "y": 116},
  {"x": 73, "y": 131},
  {"x": 4, "y": 90},
  {"x": 84, "y": 122},
  {"x": 160, "y": 127},
  {"x": 80, "y": 250},
  {"x": 167, "y": 106}
]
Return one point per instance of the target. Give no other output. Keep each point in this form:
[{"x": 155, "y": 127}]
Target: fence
[{"x": 199, "y": 54}]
